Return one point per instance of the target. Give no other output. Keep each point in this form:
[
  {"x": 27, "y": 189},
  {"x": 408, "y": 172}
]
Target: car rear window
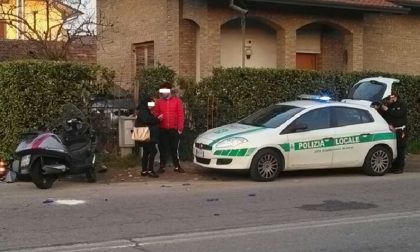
[
  {"x": 369, "y": 90},
  {"x": 272, "y": 116},
  {"x": 349, "y": 116}
]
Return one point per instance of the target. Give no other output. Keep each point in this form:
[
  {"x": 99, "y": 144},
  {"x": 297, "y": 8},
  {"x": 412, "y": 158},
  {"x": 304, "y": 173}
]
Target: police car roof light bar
[{"x": 322, "y": 98}]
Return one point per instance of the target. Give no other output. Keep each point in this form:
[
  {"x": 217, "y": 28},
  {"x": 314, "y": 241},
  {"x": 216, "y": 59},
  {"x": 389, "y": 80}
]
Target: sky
[{"x": 92, "y": 4}]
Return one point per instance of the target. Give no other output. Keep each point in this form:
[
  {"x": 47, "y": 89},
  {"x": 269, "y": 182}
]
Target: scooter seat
[
  {"x": 80, "y": 152},
  {"x": 77, "y": 147}
]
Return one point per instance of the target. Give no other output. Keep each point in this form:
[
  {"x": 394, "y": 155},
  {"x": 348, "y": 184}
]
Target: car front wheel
[
  {"x": 378, "y": 161},
  {"x": 266, "y": 165}
]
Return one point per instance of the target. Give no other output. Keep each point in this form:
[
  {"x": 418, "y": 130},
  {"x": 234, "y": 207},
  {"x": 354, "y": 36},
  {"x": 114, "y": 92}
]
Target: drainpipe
[
  {"x": 243, "y": 25},
  {"x": 20, "y": 4}
]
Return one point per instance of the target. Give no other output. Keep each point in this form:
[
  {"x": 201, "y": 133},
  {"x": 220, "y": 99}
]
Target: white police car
[{"x": 302, "y": 134}]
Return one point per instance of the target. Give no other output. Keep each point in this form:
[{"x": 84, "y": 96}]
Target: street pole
[{"x": 243, "y": 27}]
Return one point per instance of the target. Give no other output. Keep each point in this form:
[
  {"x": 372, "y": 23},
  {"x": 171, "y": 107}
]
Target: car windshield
[
  {"x": 272, "y": 116},
  {"x": 370, "y": 91}
]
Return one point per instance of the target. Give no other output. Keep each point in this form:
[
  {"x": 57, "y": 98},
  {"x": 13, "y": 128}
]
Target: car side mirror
[{"x": 293, "y": 128}]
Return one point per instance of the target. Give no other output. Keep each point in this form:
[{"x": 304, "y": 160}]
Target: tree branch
[{"x": 56, "y": 39}]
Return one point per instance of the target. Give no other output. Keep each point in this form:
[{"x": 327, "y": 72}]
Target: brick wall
[
  {"x": 392, "y": 43},
  {"x": 377, "y": 42},
  {"x": 332, "y": 50},
  {"x": 187, "y": 48},
  {"x": 210, "y": 18},
  {"x": 138, "y": 21},
  {"x": 20, "y": 49}
]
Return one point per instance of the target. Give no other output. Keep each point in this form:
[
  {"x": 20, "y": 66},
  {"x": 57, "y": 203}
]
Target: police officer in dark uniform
[{"x": 394, "y": 112}]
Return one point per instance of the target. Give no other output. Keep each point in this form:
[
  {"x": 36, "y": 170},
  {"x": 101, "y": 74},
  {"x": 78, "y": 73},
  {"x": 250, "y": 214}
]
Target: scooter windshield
[
  {"x": 71, "y": 116},
  {"x": 70, "y": 112}
]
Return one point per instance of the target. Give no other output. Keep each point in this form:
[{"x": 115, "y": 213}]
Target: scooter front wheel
[{"x": 41, "y": 180}]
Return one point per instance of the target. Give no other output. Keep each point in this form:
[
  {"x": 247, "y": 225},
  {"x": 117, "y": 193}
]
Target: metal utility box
[{"x": 125, "y": 125}]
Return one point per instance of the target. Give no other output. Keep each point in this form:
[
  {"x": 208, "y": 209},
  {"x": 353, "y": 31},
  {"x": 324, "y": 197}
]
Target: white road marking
[
  {"x": 227, "y": 233},
  {"x": 69, "y": 202},
  {"x": 84, "y": 247}
]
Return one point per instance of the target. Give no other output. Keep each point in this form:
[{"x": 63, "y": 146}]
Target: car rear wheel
[
  {"x": 378, "y": 161},
  {"x": 266, "y": 165}
]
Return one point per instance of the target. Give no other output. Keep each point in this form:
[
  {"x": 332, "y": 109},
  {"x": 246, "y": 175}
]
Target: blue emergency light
[{"x": 321, "y": 98}]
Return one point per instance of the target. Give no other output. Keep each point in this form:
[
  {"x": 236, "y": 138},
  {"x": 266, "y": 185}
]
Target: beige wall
[
  {"x": 308, "y": 39},
  {"x": 260, "y": 38}
]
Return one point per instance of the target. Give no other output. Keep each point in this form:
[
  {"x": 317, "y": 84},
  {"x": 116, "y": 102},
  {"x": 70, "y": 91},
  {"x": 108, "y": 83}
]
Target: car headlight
[
  {"x": 231, "y": 142},
  {"x": 26, "y": 160}
]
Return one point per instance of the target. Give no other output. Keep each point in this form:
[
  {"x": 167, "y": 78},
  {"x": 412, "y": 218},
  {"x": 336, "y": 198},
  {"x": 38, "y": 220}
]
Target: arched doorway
[
  {"x": 260, "y": 44},
  {"x": 323, "y": 47}
]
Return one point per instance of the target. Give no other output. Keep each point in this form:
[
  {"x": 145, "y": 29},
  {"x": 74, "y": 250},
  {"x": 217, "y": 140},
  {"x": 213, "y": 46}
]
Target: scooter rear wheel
[{"x": 42, "y": 181}]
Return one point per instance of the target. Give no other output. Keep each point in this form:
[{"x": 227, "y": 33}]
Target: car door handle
[
  {"x": 365, "y": 135},
  {"x": 328, "y": 139}
]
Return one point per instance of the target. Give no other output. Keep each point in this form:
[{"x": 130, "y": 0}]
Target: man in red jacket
[{"x": 170, "y": 111}]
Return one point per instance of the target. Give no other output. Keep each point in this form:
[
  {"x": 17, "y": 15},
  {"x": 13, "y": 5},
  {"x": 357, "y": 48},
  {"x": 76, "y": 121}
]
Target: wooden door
[
  {"x": 306, "y": 61},
  {"x": 2, "y": 30}
]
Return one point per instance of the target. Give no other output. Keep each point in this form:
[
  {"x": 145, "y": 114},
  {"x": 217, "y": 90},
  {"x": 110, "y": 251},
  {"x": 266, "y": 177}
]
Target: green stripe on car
[
  {"x": 235, "y": 152},
  {"x": 331, "y": 142},
  {"x": 313, "y": 144},
  {"x": 285, "y": 147}
]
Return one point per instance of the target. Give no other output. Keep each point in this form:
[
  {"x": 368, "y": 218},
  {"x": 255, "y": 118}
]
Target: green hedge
[
  {"x": 241, "y": 91},
  {"x": 150, "y": 78},
  {"x": 32, "y": 92}
]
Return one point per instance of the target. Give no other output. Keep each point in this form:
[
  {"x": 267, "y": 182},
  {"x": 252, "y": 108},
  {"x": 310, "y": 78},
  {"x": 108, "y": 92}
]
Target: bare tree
[{"x": 64, "y": 22}]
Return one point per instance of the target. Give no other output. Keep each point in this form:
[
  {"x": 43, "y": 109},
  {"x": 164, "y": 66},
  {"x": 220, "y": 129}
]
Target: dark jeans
[
  {"x": 169, "y": 142},
  {"x": 148, "y": 158},
  {"x": 399, "y": 162}
]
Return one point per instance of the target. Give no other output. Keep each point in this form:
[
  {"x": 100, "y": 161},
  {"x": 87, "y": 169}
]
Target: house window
[
  {"x": 34, "y": 13},
  {"x": 144, "y": 55},
  {"x": 3, "y": 29}
]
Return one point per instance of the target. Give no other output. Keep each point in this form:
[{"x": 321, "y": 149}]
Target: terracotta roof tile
[
  {"x": 367, "y": 3},
  {"x": 407, "y": 2},
  {"x": 398, "y": 6}
]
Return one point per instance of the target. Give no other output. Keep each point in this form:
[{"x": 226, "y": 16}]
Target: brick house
[
  {"x": 193, "y": 36},
  {"x": 14, "y": 42}
]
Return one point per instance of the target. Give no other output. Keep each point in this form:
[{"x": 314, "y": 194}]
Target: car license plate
[{"x": 199, "y": 153}]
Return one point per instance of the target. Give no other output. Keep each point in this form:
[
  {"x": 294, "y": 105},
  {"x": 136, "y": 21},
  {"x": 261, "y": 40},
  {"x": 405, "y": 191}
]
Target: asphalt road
[{"x": 301, "y": 211}]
